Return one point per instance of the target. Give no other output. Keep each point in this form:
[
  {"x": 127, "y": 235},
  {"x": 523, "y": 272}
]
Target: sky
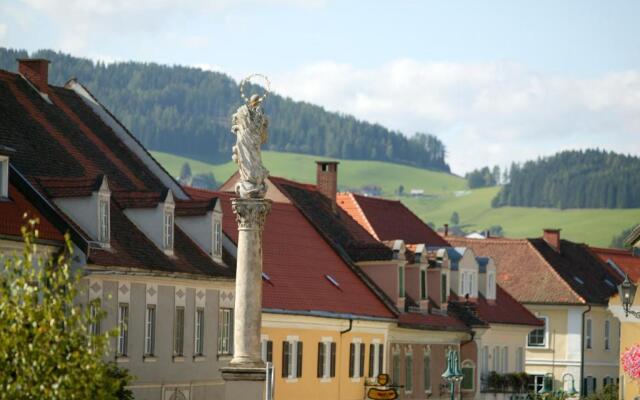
[{"x": 496, "y": 81}]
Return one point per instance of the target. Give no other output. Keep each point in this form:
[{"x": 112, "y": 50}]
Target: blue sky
[{"x": 496, "y": 81}]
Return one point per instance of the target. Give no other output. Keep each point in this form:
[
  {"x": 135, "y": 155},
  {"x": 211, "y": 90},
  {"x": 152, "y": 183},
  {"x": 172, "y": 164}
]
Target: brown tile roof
[
  {"x": 431, "y": 321},
  {"x": 532, "y": 272},
  {"x": 388, "y": 219},
  {"x": 624, "y": 259},
  {"x": 297, "y": 260},
  {"x": 505, "y": 310},
  {"x": 79, "y": 148}
]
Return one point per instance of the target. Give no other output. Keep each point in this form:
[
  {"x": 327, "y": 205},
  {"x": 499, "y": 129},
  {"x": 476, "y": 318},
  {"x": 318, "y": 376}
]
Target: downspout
[
  {"x": 582, "y": 385},
  {"x": 338, "y": 361}
]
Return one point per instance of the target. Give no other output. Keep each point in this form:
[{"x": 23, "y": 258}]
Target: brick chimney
[
  {"x": 36, "y": 70},
  {"x": 552, "y": 237},
  {"x": 327, "y": 180}
]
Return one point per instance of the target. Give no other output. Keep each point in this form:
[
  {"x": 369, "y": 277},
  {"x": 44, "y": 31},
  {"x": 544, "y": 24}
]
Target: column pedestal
[{"x": 245, "y": 375}]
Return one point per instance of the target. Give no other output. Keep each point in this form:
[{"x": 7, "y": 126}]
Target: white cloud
[
  {"x": 491, "y": 113},
  {"x": 3, "y": 31}
]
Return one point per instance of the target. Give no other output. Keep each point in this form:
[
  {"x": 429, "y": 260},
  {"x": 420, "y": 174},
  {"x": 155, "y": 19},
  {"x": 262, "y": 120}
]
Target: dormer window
[
  {"x": 168, "y": 229},
  {"x": 4, "y": 176},
  {"x": 217, "y": 238},
  {"x": 103, "y": 219}
]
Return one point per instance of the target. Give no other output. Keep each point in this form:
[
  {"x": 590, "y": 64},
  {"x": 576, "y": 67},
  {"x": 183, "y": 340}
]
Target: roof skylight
[
  {"x": 580, "y": 281},
  {"x": 266, "y": 277},
  {"x": 332, "y": 280}
]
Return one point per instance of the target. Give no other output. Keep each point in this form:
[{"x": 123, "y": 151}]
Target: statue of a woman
[{"x": 249, "y": 124}]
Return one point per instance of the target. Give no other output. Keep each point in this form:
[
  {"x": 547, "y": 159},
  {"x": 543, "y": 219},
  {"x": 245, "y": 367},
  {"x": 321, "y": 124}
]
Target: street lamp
[
  {"x": 627, "y": 291},
  {"x": 452, "y": 374},
  {"x": 572, "y": 392}
]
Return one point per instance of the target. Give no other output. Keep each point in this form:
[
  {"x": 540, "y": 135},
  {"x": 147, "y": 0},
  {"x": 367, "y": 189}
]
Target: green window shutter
[
  {"x": 320, "y": 359},
  {"x": 352, "y": 356},
  {"x": 270, "y": 351},
  {"x": 361, "y": 359},
  {"x": 467, "y": 379},
  {"x": 380, "y": 358},
  {"x": 372, "y": 350},
  {"x": 333, "y": 359},
  {"x": 299, "y": 369}
]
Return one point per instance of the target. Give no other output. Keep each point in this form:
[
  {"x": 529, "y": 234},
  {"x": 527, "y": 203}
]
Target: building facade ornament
[{"x": 250, "y": 213}]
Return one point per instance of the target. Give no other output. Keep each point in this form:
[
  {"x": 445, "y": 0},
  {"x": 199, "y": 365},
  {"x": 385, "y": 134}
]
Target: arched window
[{"x": 468, "y": 373}]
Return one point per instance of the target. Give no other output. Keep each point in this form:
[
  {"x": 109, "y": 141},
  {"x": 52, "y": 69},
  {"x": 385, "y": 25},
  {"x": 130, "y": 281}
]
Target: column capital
[{"x": 250, "y": 213}]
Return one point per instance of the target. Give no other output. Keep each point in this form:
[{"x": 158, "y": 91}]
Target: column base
[{"x": 244, "y": 383}]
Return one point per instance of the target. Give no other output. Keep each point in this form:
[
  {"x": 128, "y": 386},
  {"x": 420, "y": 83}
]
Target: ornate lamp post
[
  {"x": 627, "y": 291},
  {"x": 571, "y": 392},
  {"x": 452, "y": 374}
]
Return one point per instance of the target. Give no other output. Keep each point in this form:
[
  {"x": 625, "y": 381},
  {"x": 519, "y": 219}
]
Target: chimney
[
  {"x": 552, "y": 237},
  {"x": 327, "y": 180},
  {"x": 36, "y": 70},
  {"x": 446, "y": 229}
]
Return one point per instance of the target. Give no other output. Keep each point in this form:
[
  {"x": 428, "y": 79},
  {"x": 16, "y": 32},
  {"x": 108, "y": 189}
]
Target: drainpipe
[
  {"x": 338, "y": 352},
  {"x": 582, "y": 388}
]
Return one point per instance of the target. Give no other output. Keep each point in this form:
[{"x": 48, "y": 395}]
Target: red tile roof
[
  {"x": 11, "y": 217},
  {"x": 297, "y": 260},
  {"x": 430, "y": 321},
  {"x": 624, "y": 259},
  {"x": 520, "y": 262},
  {"x": 505, "y": 310},
  {"x": 388, "y": 219},
  {"x": 79, "y": 148}
]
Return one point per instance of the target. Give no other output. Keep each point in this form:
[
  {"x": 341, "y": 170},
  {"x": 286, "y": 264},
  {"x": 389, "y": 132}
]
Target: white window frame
[
  {"x": 545, "y": 342},
  {"x": 4, "y": 176},
  {"x": 505, "y": 359},
  {"x": 326, "y": 365},
  {"x": 199, "y": 332},
  {"x": 538, "y": 382},
  {"x": 519, "y": 359},
  {"x": 168, "y": 229},
  {"x": 217, "y": 238},
  {"x": 484, "y": 357},
  {"x": 123, "y": 329},
  {"x": 491, "y": 285},
  {"x": 496, "y": 359},
  {"x": 293, "y": 358},
  {"x": 588, "y": 333},
  {"x": 607, "y": 334},
  {"x": 104, "y": 219},
  {"x": 150, "y": 330},
  {"x": 225, "y": 331}
]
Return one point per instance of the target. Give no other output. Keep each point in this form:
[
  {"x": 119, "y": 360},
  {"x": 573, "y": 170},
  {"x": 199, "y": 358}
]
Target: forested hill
[
  {"x": 187, "y": 111},
  {"x": 574, "y": 179}
]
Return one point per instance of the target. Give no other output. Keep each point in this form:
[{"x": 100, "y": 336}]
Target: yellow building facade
[{"x": 344, "y": 378}]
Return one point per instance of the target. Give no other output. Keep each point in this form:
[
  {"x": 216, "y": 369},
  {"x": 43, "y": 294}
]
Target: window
[
  {"x": 356, "y": 360},
  {"x": 150, "y": 330},
  {"x": 178, "y": 332},
  {"x": 376, "y": 354},
  {"x": 485, "y": 361},
  {"x": 538, "y": 337},
  {"x": 217, "y": 238},
  {"x": 4, "y": 176},
  {"x": 94, "y": 327},
  {"x": 401, "y": 281},
  {"x": 587, "y": 334},
  {"x": 519, "y": 359},
  {"x": 326, "y": 359},
  {"x": 426, "y": 372},
  {"x": 103, "y": 219},
  {"x": 225, "y": 331},
  {"x": 491, "y": 285},
  {"x": 496, "y": 359},
  {"x": 467, "y": 375},
  {"x": 395, "y": 369},
  {"x": 423, "y": 284},
  {"x": 168, "y": 229},
  {"x": 607, "y": 335},
  {"x": 536, "y": 383},
  {"x": 408, "y": 372},
  {"x": 198, "y": 345},
  {"x": 291, "y": 359},
  {"x": 607, "y": 381},
  {"x": 123, "y": 329},
  {"x": 443, "y": 288},
  {"x": 505, "y": 359},
  {"x": 589, "y": 385},
  {"x": 267, "y": 350}
]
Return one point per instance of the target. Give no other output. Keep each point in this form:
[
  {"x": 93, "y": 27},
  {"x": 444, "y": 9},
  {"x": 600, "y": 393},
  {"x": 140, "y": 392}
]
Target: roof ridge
[{"x": 548, "y": 264}]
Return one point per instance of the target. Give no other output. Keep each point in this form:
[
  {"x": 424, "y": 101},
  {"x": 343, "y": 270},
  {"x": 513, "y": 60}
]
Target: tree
[
  {"x": 46, "y": 349},
  {"x": 455, "y": 219},
  {"x": 205, "y": 181},
  {"x": 185, "y": 173},
  {"x": 496, "y": 230},
  {"x": 400, "y": 190},
  {"x": 617, "y": 242}
]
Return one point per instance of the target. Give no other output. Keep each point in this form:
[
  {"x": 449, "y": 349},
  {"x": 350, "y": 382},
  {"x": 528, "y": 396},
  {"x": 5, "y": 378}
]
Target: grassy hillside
[
  {"x": 352, "y": 174},
  {"x": 446, "y": 193}
]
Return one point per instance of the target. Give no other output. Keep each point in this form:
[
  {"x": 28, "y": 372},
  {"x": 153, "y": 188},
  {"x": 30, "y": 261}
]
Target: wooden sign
[{"x": 382, "y": 394}]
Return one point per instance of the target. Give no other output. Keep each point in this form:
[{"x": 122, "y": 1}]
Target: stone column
[{"x": 245, "y": 374}]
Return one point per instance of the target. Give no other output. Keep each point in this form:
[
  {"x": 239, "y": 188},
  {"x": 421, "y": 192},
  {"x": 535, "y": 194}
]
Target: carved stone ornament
[
  {"x": 249, "y": 123},
  {"x": 250, "y": 213}
]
